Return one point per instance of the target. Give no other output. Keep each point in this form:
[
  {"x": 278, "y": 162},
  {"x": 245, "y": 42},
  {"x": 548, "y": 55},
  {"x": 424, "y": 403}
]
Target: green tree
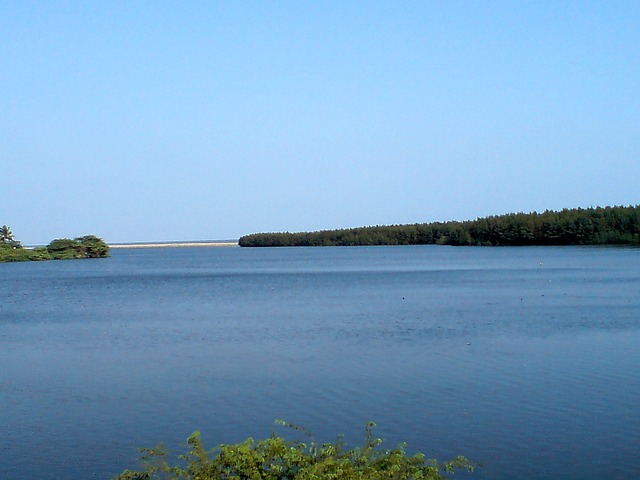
[
  {"x": 65, "y": 248},
  {"x": 5, "y": 234},
  {"x": 94, "y": 247},
  {"x": 88, "y": 246},
  {"x": 591, "y": 226}
]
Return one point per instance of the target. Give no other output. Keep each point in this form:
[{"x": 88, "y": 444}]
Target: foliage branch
[{"x": 276, "y": 458}]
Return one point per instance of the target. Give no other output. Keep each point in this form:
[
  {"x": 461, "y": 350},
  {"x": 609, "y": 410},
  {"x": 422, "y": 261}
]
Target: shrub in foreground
[{"x": 276, "y": 458}]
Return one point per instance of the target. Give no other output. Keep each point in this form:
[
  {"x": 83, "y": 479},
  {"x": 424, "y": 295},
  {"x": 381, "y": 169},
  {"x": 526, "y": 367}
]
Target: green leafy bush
[
  {"x": 93, "y": 246},
  {"x": 38, "y": 254},
  {"x": 276, "y": 458},
  {"x": 13, "y": 252},
  {"x": 65, "y": 248},
  {"x": 88, "y": 246}
]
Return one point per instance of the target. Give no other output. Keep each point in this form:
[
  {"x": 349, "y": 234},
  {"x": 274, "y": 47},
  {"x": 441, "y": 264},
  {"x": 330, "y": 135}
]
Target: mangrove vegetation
[
  {"x": 616, "y": 225},
  {"x": 88, "y": 246}
]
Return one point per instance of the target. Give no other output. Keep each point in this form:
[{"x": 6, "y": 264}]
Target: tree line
[
  {"x": 88, "y": 246},
  {"x": 579, "y": 226}
]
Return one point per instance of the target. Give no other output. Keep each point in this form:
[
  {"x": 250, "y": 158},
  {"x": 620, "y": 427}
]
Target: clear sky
[{"x": 158, "y": 120}]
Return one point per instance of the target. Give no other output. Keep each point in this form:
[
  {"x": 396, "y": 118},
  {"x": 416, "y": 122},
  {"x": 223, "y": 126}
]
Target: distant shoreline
[
  {"x": 616, "y": 225},
  {"x": 174, "y": 244}
]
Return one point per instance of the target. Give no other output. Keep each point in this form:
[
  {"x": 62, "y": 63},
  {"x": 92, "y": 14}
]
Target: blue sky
[{"x": 153, "y": 120}]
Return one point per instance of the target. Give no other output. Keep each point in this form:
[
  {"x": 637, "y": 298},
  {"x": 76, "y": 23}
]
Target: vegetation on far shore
[
  {"x": 88, "y": 246},
  {"x": 276, "y": 458},
  {"x": 616, "y": 225}
]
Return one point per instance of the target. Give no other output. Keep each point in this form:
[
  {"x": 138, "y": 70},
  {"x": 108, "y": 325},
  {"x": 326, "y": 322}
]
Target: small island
[
  {"x": 615, "y": 225},
  {"x": 87, "y": 246}
]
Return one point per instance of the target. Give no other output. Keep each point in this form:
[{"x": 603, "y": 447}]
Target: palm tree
[{"x": 5, "y": 234}]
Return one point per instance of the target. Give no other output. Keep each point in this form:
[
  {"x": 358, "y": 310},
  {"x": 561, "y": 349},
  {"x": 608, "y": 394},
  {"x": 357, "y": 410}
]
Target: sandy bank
[{"x": 174, "y": 245}]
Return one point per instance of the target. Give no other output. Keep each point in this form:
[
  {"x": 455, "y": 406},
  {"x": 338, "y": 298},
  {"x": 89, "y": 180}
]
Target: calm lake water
[{"x": 525, "y": 360}]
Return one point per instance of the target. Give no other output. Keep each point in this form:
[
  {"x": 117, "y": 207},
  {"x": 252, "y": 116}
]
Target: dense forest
[
  {"x": 579, "y": 226},
  {"x": 88, "y": 246}
]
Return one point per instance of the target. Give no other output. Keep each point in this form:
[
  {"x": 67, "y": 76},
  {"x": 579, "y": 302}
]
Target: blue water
[{"x": 525, "y": 360}]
